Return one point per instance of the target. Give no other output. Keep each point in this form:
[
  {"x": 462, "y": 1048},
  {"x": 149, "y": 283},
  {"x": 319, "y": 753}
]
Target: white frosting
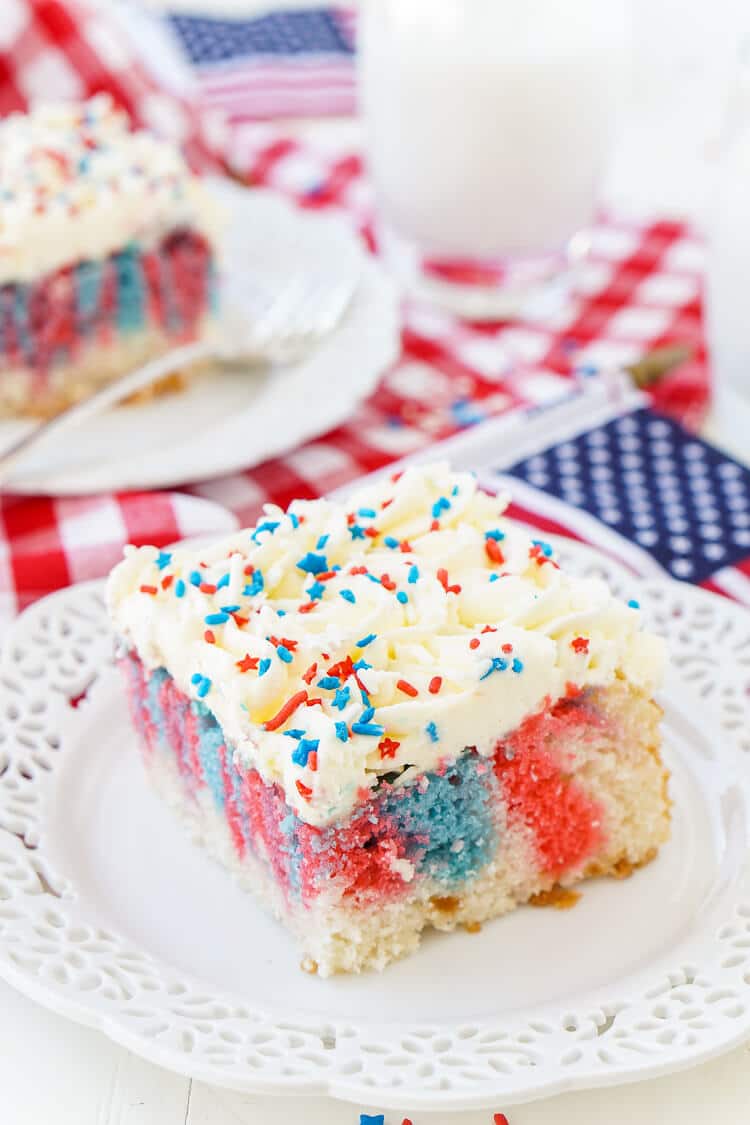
[
  {"x": 548, "y": 631},
  {"x": 77, "y": 184}
]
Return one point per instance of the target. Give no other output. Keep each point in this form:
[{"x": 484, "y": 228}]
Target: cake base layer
[
  {"x": 65, "y": 335},
  {"x": 578, "y": 790}
]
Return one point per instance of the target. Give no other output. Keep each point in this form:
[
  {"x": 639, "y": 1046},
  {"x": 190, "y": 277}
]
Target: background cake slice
[
  {"x": 394, "y": 713},
  {"x": 107, "y": 252}
]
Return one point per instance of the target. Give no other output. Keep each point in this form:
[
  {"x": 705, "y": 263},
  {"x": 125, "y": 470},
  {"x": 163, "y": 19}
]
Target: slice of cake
[
  {"x": 394, "y": 713},
  {"x": 106, "y": 253}
]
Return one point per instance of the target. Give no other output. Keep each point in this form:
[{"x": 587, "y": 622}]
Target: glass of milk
[{"x": 488, "y": 124}]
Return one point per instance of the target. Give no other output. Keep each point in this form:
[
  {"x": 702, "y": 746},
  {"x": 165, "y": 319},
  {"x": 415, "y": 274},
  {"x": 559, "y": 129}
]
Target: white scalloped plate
[
  {"x": 229, "y": 420},
  {"x": 109, "y": 915}
]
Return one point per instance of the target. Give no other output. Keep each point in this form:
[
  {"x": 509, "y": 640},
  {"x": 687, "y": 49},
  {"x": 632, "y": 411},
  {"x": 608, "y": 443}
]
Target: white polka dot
[
  {"x": 681, "y": 567},
  {"x": 710, "y": 531},
  {"x": 665, "y": 469},
  {"x": 642, "y": 519},
  {"x": 599, "y": 457},
  {"x": 601, "y": 472},
  {"x": 611, "y": 515},
  {"x": 631, "y": 461},
  {"x": 539, "y": 479},
  {"x": 536, "y": 463},
  {"x": 734, "y": 488},
  {"x": 630, "y": 444},
  {"x": 739, "y": 519},
  {"x": 714, "y": 551},
  {"x": 647, "y": 538},
  {"x": 662, "y": 448},
  {"x": 693, "y": 452},
  {"x": 567, "y": 450},
  {"x": 679, "y": 526},
  {"x": 640, "y": 504},
  {"x": 633, "y": 476},
  {"x": 671, "y": 497},
  {"x": 627, "y": 426},
  {"x": 742, "y": 538},
  {"x": 658, "y": 428},
  {"x": 681, "y": 544},
  {"x": 569, "y": 469},
  {"x": 597, "y": 437},
  {"x": 736, "y": 503},
  {"x": 728, "y": 469}
]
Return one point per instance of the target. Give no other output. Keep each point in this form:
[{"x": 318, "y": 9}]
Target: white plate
[
  {"x": 111, "y": 916},
  {"x": 232, "y": 420}
]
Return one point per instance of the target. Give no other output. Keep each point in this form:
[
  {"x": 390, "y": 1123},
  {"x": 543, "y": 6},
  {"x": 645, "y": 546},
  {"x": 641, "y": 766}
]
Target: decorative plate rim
[{"x": 51, "y": 950}]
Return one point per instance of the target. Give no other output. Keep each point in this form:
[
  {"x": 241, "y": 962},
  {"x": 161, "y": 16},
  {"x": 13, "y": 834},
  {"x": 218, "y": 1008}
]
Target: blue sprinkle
[
  {"x": 313, "y": 564},
  {"x": 203, "y": 688},
  {"x": 322, "y": 542},
  {"x": 336, "y": 568},
  {"x": 371, "y": 1119},
  {"x": 284, "y": 654},
  {"x": 303, "y": 750},
  {"x": 543, "y": 547},
  {"x": 223, "y": 581},
  {"x": 341, "y": 698},
  {"x": 342, "y": 732},
  {"x": 365, "y": 641},
  {"x": 281, "y": 613},
  {"x": 295, "y": 520},
  {"x": 413, "y": 574},
  {"x": 264, "y": 665},
  {"x": 196, "y": 678},
  {"x": 361, "y": 664},
  {"x": 454, "y": 490},
  {"x": 255, "y": 585},
  {"x": 374, "y": 578},
  {"x": 329, "y": 683},
  {"x": 365, "y": 698},
  {"x": 431, "y": 730},
  {"x": 441, "y": 505},
  {"x": 634, "y": 604},
  {"x": 497, "y": 664},
  {"x": 296, "y": 733},
  {"x": 179, "y": 588},
  {"x": 402, "y": 597},
  {"x": 267, "y": 525},
  {"x": 356, "y": 531},
  {"x": 517, "y": 665},
  {"x": 216, "y": 618},
  {"x": 367, "y": 715},
  {"x": 348, "y": 596},
  {"x": 163, "y": 559},
  {"x": 495, "y": 533},
  {"x": 391, "y": 542},
  {"x": 374, "y": 730},
  {"x": 229, "y": 608},
  {"x": 315, "y": 591},
  {"x": 368, "y": 513},
  {"x": 494, "y": 577},
  {"x": 195, "y": 577}
]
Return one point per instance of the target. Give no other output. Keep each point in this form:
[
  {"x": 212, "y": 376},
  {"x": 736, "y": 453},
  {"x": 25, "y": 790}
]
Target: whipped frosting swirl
[
  {"x": 77, "y": 184},
  {"x": 338, "y": 643}
]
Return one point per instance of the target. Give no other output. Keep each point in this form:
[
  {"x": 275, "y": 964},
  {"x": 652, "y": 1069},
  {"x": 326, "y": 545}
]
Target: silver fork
[{"x": 272, "y": 322}]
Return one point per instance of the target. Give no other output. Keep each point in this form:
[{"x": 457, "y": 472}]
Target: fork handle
[{"x": 102, "y": 398}]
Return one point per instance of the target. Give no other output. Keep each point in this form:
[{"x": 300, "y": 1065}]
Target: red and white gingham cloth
[{"x": 640, "y": 289}]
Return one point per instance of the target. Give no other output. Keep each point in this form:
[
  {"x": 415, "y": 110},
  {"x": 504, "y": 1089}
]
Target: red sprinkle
[
  {"x": 303, "y": 790},
  {"x": 494, "y": 553},
  {"x": 387, "y": 503},
  {"x": 435, "y": 685},
  {"x": 442, "y": 577},
  {"x": 388, "y": 748},
  {"x": 405, "y": 546},
  {"x": 308, "y": 607},
  {"x": 288, "y": 708},
  {"x": 580, "y": 644},
  {"x": 276, "y": 641},
  {"x": 435, "y": 525},
  {"x": 325, "y": 576},
  {"x": 507, "y": 648},
  {"x": 351, "y": 519},
  {"x": 207, "y": 588},
  {"x": 167, "y": 581},
  {"x": 406, "y": 688},
  {"x": 209, "y": 637},
  {"x": 312, "y": 760},
  {"x": 247, "y": 664},
  {"x": 309, "y": 675},
  {"x": 239, "y": 620},
  {"x": 489, "y": 629},
  {"x": 249, "y": 570},
  {"x": 500, "y": 1119},
  {"x": 387, "y": 582},
  {"x": 372, "y": 532},
  {"x": 358, "y": 570},
  {"x": 317, "y": 702},
  {"x": 149, "y": 590},
  {"x": 397, "y": 476},
  {"x": 474, "y": 642}
]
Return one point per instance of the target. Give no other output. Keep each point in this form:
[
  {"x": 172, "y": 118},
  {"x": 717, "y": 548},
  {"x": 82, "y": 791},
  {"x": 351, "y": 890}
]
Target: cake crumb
[
  {"x": 473, "y": 927},
  {"x": 446, "y": 904},
  {"x": 561, "y": 898},
  {"x": 308, "y": 966}
]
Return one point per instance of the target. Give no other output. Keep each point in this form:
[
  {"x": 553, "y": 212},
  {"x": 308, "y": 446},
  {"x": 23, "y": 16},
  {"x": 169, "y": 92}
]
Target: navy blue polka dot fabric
[
  {"x": 656, "y": 485},
  {"x": 277, "y": 35}
]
